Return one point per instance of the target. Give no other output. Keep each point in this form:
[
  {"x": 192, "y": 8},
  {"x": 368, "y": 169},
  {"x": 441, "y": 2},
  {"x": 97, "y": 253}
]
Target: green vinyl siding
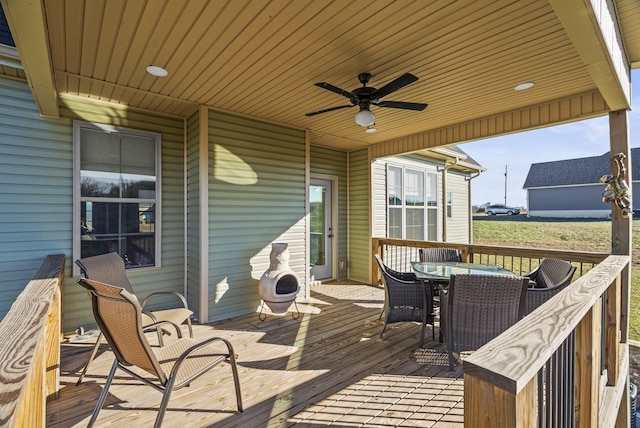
[
  {"x": 193, "y": 213},
  {"x": 256, "y": 197},
  {"x": 326, "y": 161},
  {"x": 359, "y": 213},
  {"x": 35, "y": 189},
  {"x": 170, "y": 277}
]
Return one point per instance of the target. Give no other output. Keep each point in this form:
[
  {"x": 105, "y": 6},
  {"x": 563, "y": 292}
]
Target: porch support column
[{"x": 621, "y": 227}]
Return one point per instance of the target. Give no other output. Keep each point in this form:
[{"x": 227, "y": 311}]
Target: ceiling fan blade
[
  {"x": 328, "y": 109},
  {"x": 394, "y": 85},
  {"x": 402, "y": 105},
  {"x": 330, "y": 87}
]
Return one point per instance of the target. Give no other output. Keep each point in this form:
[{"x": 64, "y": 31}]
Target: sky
[{"x": 516, "y": 152}]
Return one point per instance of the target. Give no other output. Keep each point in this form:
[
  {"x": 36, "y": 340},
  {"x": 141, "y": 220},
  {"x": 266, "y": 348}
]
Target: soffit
[
  {"x": 261, "y": 58},
  {"x": 629, "y": 17}
]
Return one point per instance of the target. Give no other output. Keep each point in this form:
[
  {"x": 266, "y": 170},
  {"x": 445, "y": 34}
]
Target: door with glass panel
[{"x": 321, "y": 233}]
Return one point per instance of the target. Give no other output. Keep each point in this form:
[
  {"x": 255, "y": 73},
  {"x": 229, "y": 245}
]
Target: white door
[{"x": 321, "y": 239}]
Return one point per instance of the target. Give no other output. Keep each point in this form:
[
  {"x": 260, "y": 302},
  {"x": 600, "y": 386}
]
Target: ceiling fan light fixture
[
  {"x": 365, "y": 117},
  {"x": 371, "y": 129},
  {"x": 156, "y": 70}
]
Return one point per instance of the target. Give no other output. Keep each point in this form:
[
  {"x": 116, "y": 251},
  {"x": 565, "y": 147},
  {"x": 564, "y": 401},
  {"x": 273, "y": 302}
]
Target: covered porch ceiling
[{"x": 261, "y": 58}]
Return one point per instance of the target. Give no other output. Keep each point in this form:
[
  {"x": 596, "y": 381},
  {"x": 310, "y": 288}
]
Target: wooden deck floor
[{"x": 328, "y": 368}]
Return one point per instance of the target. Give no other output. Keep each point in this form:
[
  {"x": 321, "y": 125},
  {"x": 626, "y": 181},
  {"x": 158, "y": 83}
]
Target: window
[
  {"x": 411, "y": 203},
  {"x": 117, "y": 193},
  {"x": 449, "y": 204}
]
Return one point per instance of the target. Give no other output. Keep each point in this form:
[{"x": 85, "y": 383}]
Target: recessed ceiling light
[
  {"x": 523, "y": 86},
  {"x": 156, "y": 70}
]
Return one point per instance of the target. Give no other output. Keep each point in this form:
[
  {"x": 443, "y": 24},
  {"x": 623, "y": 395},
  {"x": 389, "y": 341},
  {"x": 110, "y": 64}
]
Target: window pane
[
  {"x": 394, "y": 185},
  {"x": 138, "y": 155},
  {"x": 127, "y": 228},
  {"x": 415, "y": 223},
  {"x": 317, "y": 225},
  {"x": 394, "y": 220},
  {"x": 138, "y": 186},
  {"x": 432, "y": 190},
  {"x": 99, "y": 184},
  {"x": 414, "y": 188},
  {"x": 100, "y": 151},
  {"x": 432, "y": 224}
]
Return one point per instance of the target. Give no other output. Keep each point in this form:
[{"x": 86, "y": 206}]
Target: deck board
[{"x": 328, "y": 368}]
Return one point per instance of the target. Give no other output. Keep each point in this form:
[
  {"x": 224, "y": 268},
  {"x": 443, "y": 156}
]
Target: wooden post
[{"x": 621, "y": 227}]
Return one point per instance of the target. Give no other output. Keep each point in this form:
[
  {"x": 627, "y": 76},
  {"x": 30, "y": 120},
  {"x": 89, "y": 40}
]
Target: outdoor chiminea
[{"x": 279, "y": 285}]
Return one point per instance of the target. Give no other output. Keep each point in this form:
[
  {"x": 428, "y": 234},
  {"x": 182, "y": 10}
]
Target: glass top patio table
[{"x": 442, "y": 271}]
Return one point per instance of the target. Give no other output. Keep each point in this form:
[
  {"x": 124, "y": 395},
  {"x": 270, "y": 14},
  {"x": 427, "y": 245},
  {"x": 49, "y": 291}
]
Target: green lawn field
[{"x": 563, "y": 234}]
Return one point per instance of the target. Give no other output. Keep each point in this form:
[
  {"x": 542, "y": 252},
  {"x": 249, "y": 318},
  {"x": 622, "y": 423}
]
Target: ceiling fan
[{"x": 366, "y": 96}]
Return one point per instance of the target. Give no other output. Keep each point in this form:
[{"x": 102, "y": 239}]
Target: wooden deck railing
[
  {"x": 30, "y": 337},
  {"x": 502, "y": 379},
  {"x": 565, "y": 364},
  {"x": 399, "y": 253}
]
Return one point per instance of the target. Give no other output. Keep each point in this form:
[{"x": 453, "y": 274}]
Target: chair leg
[
  {"x": 91, "y": 357},
  {"x": 190, "y": 328},
  {"x": 165, "y": 401},
  {"x": 103, "y": 394},
  {"x": 236, "y": 379},
  {"x": 383, "y": 328}
]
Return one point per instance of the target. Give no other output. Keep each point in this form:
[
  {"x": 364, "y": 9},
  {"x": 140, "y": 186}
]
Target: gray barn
[{"x": 571, "y": 188}]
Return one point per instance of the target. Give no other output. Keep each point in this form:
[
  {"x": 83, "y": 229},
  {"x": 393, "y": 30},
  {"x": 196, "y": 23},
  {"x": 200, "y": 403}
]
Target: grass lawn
[{"x": 562, "y": 234}]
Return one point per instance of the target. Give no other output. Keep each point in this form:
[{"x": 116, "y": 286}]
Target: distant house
[{"x": 571, "y": 188}]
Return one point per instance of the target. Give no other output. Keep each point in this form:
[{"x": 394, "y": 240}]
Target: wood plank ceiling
[{"x": 261, "y": 58}]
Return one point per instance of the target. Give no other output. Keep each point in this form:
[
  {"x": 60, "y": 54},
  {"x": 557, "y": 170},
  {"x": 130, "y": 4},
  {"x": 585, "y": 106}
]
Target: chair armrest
[
  {"x": 165, "y": 293},
  {"x": 194, "y": 349},
  {"x": 533, "y": 274},
  {"x": 159, "y": 324}
]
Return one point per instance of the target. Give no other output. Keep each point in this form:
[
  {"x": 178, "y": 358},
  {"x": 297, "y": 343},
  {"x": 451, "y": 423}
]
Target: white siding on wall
[
  {"x": 457, "y": 226},
  {"x": 379, "y": 195},
  {"x": 458, "y": 223},
  {"x": 256, "y": 197}
]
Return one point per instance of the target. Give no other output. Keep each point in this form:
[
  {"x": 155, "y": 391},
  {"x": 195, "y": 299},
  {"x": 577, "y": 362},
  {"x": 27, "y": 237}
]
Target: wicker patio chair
[
  {"x": 439, "y": 255},
  {"x": 405, "y": 298},
  {"x": 172, "y": 367},
  {"x": 109, "y": 268},
  {"x": 550, "y": 277},
  {"x": 477, "y": 308}
]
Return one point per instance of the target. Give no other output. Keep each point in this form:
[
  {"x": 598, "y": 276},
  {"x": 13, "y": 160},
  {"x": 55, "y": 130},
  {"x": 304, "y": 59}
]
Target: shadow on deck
[{"x": 328, "y": 368}]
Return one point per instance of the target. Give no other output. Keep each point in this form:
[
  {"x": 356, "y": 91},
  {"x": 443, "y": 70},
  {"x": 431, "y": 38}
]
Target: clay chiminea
[{"x": 279, "y": 285}]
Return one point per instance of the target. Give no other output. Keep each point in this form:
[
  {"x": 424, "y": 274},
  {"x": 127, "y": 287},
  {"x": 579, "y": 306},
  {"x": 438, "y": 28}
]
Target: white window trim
[
  {"x": 77, "y": 126},
  {"x": 426, "y": 208}
]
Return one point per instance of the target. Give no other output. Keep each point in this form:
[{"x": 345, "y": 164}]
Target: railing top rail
[
  {"x": 512, "y": 359},
  {"x": 22, "y": 329},
  {"x": 539, "y": 253}
]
